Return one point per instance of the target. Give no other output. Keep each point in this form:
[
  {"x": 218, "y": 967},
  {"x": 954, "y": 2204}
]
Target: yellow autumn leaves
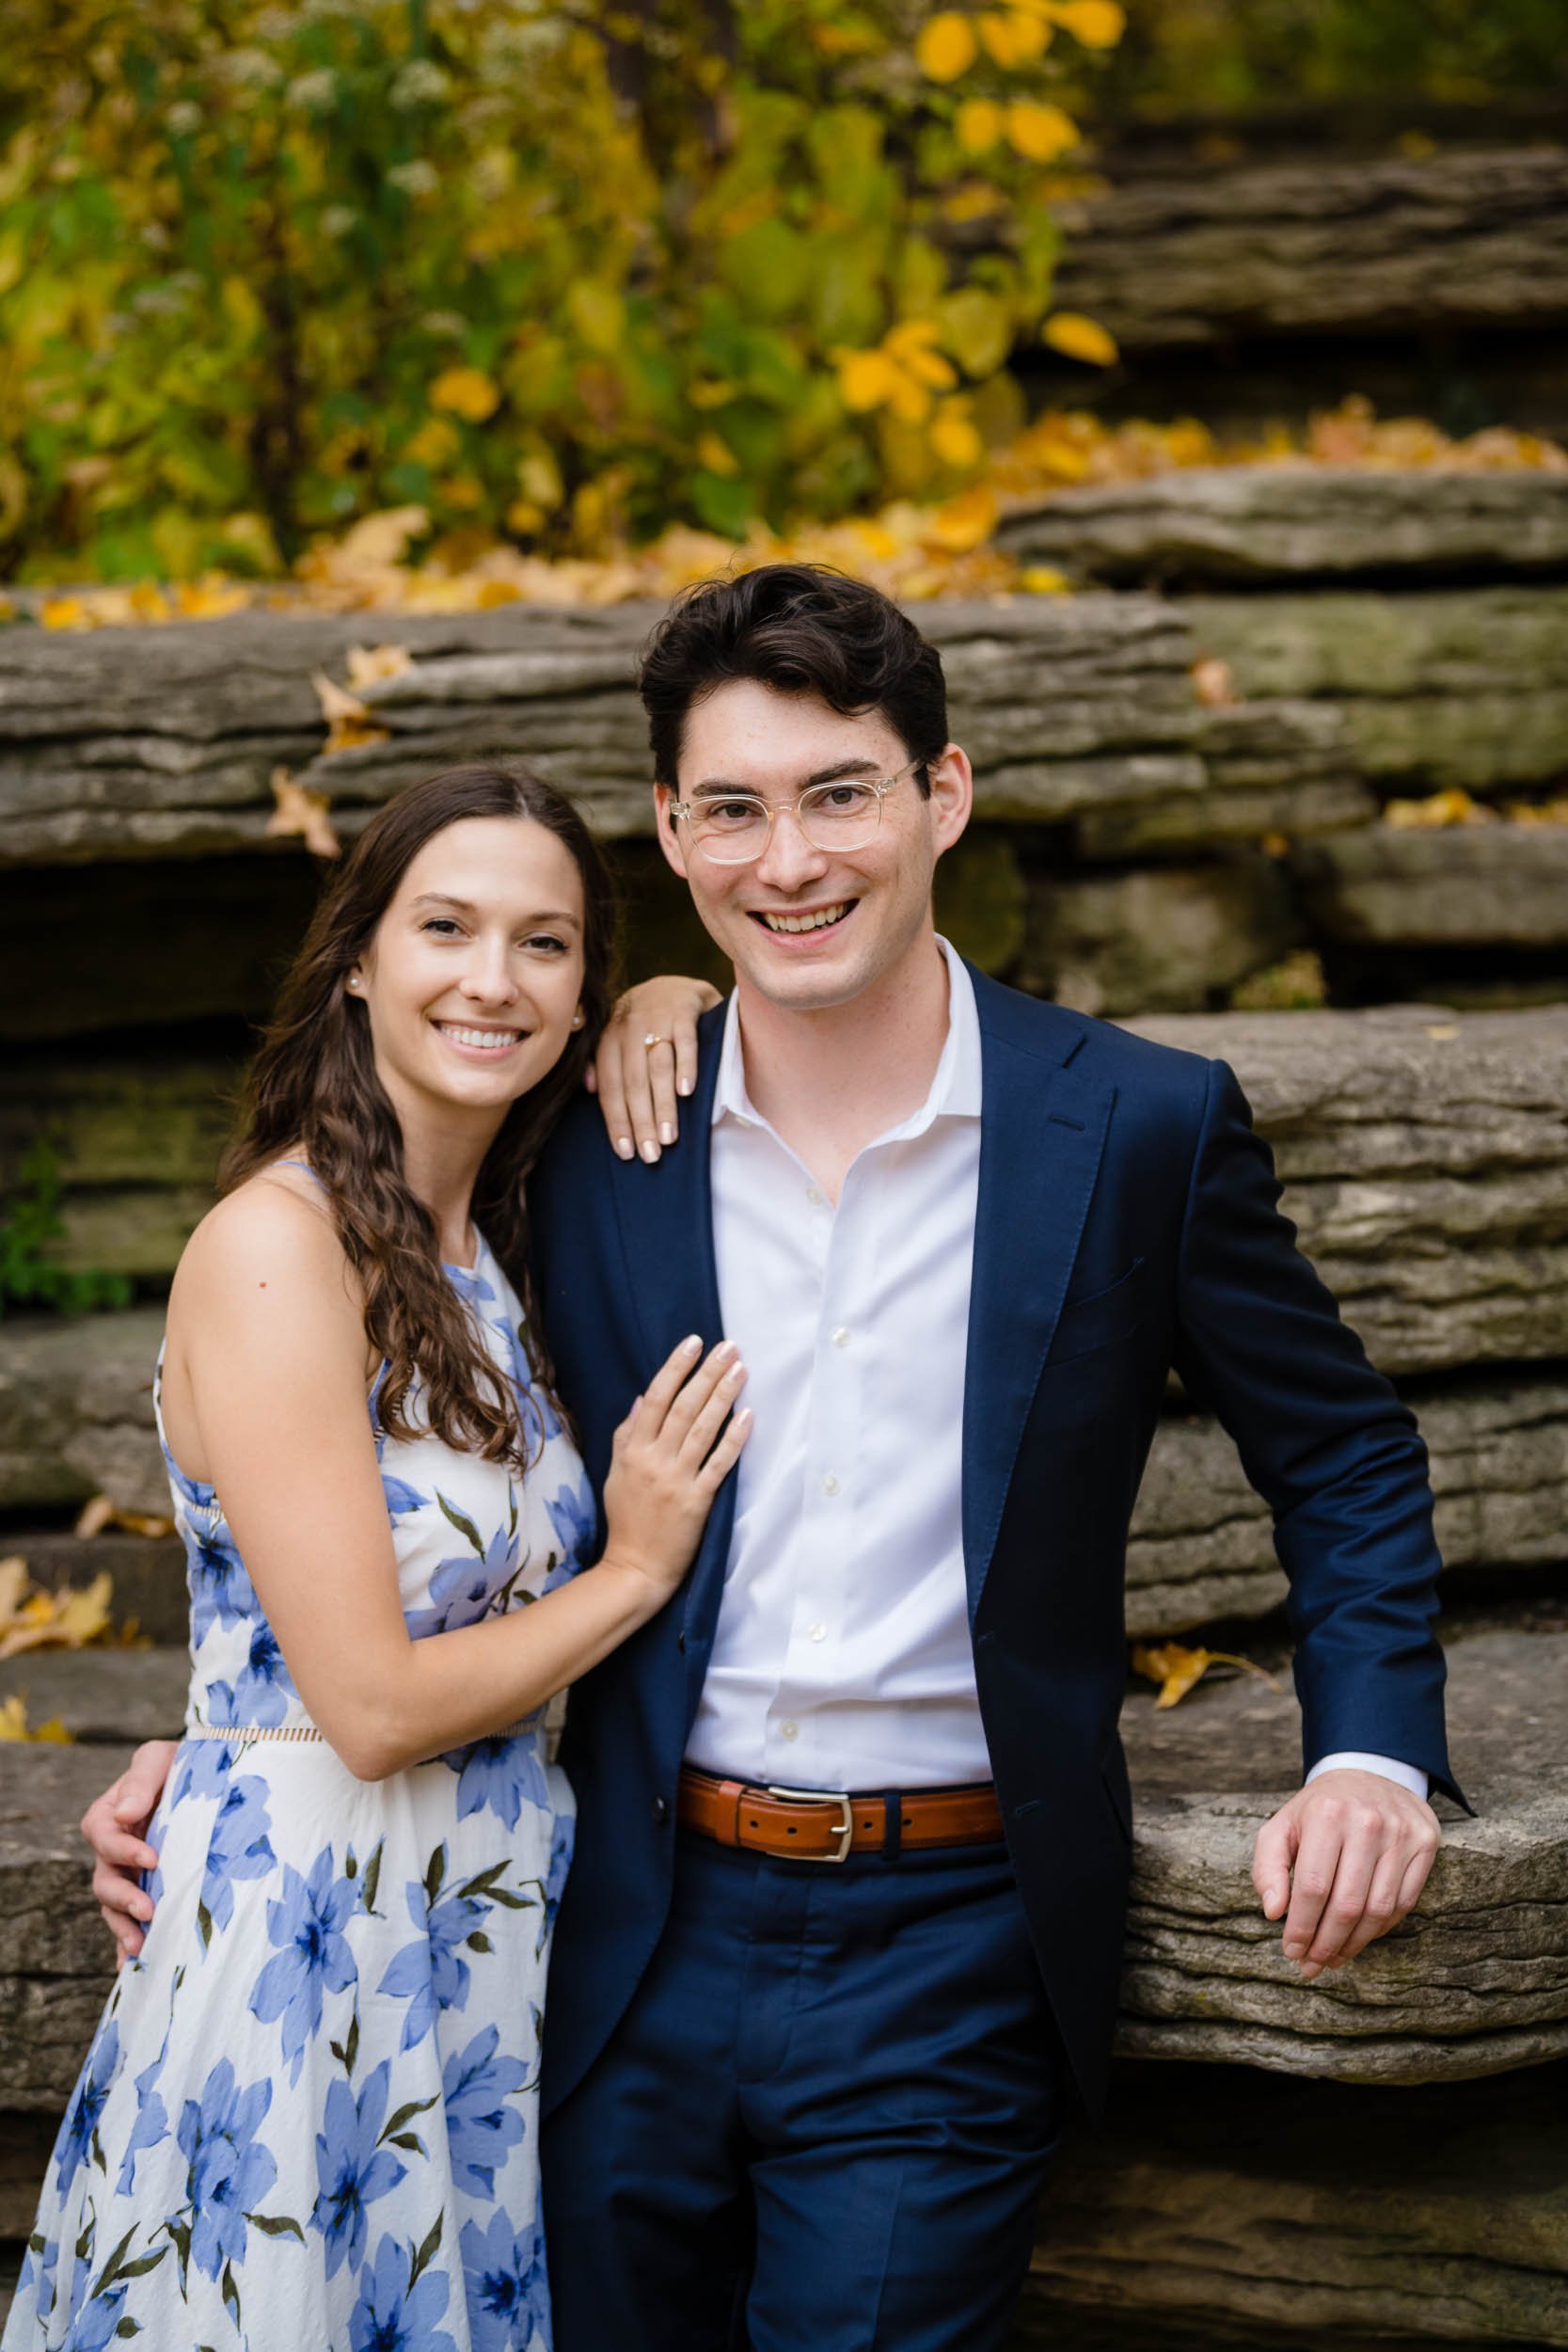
[{"x": 950, "y": 42}]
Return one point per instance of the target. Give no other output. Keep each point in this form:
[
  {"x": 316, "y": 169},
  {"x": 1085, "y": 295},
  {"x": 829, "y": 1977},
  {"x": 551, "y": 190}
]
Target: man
[{"x": 845, "y": 1921}]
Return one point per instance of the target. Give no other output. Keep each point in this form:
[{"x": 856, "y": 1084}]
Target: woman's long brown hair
[{"x": 313, "y": 1091}]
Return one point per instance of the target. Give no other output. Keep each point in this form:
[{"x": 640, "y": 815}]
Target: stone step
[
  {"x": 1424, "y": 1155},
  {"x": 1326, "y": 248},
  {"x": 1438, "y": 687},
  {"x": 1309, "y": 2215},
  {"x": 104, "y": 1697},
  {"x": 1476, "y": 1983},
  {"x": 1201, "y": 1544},
  {"x": 1479, "y": 885},
  {"x": 160, "y": 743},
  {"x": 147, "y": 1574},
  {"x": 1295, "y": 520}
]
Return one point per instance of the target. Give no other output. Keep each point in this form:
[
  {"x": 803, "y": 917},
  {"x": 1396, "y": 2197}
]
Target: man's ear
[
  {"x": 667, "y": 829},
  {"x": 952, "y": 798}
]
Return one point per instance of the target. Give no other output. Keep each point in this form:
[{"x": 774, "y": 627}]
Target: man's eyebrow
[
  {"x": 712, "y": 787},
  {"x": 466, "y": 906}
]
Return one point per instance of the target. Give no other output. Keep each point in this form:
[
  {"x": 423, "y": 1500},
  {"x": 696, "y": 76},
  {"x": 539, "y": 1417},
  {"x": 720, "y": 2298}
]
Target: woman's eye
[
  {"x": 441, "y": 924},
  {"x": 548, "y": 941}
]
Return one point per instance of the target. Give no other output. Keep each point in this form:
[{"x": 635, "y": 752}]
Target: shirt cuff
[{"x": 1350, "y": 1759}]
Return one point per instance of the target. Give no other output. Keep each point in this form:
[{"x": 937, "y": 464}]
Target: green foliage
[
  {"x": 1193, "y": 56},
  {"x": 29, "y": 1220},
  {"x": 270, "y": 265}
]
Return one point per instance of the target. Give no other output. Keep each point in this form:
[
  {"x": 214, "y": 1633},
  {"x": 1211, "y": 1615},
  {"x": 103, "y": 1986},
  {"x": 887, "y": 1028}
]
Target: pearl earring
[{"x": 578, "y": 1018}]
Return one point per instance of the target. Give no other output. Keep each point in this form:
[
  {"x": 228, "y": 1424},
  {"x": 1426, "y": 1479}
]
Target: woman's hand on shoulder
[
  {"x": 672, "y": 1455},
  {"x": 637, "y": 1080}
]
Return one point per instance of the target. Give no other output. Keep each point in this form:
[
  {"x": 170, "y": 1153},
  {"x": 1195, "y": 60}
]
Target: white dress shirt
[{"x": 841, "y": 1658}]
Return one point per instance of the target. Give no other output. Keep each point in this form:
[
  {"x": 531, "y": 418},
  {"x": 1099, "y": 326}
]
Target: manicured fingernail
[
  {"x": 650, "y": 1153},
  {"x": 623, "y": 1145},
  {"x": 685, "y": 1085},
  {"x": 667, "y": 1131},
  {"x": 693, "y": 1346},
  {"x": 736, "y": 1374}
]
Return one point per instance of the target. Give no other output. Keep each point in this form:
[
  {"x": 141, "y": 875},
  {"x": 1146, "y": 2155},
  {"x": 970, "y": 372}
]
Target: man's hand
[
  {"x": 1349, "y": 1855},
  {"x": 114, "y": 1826}
]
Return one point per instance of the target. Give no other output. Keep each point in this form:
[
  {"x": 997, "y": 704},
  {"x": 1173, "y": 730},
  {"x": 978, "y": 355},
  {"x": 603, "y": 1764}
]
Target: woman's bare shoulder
[{"x": 272, "y": 1233}]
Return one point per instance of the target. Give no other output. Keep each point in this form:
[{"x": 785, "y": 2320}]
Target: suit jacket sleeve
[{"x": 1326, "y": 1442}]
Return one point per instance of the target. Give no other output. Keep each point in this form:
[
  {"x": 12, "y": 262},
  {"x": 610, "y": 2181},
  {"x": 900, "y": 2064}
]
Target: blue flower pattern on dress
[{"x": 309, "y": 2114}]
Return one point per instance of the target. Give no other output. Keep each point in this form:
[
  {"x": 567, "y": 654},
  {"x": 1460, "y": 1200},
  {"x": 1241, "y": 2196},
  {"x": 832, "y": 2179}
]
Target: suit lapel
[
  {"x": 1043, "y": 1129},
  {"x": 666, "y": 1217}
]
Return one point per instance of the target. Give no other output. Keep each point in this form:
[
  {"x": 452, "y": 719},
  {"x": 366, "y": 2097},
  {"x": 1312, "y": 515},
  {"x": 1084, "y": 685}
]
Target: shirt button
[
  {"x": 841, "y": 1337},
  {"x": 817, "y": 1633},
  {"x": 789, "y": 1731},
  {"x": 814, "y": 1194},
  {"x": 830, "y": 1484}
]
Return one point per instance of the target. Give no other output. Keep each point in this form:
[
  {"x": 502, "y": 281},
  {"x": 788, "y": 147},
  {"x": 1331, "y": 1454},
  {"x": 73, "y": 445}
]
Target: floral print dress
[{"x": 308, "y": 2119}]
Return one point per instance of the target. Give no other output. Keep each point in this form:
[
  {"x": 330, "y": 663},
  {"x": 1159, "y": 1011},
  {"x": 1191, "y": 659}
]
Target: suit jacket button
[
  {"x": 680, "y": 1643},
  {"x": 661, "y": 1811}
]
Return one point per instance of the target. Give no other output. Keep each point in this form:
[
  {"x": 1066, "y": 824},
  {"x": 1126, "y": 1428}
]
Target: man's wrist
[{"x": 1409, "y": 1777}]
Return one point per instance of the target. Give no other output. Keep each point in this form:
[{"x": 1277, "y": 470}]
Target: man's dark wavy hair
[{"x": 804, "y": 629}]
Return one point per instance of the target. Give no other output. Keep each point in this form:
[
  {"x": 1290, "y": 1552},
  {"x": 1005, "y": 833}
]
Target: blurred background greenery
[{"x": 566, "y": 275}]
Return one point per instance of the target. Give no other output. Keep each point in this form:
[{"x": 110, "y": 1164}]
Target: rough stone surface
[
  {"x": 103, "y": 1696},
  {"x": 1480, "y": 886},
  {"x": 1324, "y": 248},
  {"x": 1172, "y": 938},
  {"x": 56, "y": 1963},
  {"x": 76, "y": 1411},
  {"x": 1436, "y": 685},
  {"x": 1285, "y": 767},
  {"x": 168, "y": 954},
  {"x": 147, "y": 1574},
  {"x": 1296, "y": 520},
  {"x": 157, "y": 743},
  {"x": 26, "y": 2142},
  {"x": 1476, "y": 1982},
  {"x": 1201, "y": 1544},
  {"x": 1423, "y": 1154},
  {"x": 1310, "y": 2214},
  {"x": 134, "y": 1146}
]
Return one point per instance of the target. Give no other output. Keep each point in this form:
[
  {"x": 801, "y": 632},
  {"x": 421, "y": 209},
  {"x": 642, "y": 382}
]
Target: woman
[{"x": 308, "y": 2119}]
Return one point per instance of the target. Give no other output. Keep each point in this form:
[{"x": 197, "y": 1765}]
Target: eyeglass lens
[{"x": 839, "y": 816}]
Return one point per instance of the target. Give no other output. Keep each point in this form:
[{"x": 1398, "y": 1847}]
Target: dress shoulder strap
[{"x": 305, "y": 1168}]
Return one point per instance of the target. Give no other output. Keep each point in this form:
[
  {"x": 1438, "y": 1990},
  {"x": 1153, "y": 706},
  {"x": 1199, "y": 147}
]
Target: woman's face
[{"x": 474, "y": 977}]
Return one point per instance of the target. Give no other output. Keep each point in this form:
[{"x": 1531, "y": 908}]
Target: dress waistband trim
[{"x": 245, "y": 1735}]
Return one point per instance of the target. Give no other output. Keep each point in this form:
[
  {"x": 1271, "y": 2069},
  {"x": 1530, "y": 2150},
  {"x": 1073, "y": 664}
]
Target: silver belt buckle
[{"x": 844, "y": 1829}]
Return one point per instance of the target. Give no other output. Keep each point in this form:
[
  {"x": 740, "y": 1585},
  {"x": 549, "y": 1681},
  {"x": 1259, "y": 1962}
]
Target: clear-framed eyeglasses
[{"x": 842, "y": 813}]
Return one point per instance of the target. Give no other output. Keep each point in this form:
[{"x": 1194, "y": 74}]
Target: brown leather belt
[{"x": 829, "y": 1825}]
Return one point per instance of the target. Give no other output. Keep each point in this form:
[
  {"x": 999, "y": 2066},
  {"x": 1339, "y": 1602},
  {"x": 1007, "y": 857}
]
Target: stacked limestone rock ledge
[{"x": 1139, "y": 853}]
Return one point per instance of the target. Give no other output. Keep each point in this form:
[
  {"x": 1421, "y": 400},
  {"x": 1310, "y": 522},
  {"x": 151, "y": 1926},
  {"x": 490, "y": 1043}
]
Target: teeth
[
  {"x": 806, "y": 922},
  {"x": 494, "y": 1038}
]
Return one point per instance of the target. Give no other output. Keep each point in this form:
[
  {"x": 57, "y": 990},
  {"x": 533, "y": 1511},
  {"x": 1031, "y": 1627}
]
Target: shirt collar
[{"x": 955, "y": 1091}]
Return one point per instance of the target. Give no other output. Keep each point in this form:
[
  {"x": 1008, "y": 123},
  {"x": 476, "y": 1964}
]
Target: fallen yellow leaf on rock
[
  {"x": 303, "y": 812},
  {"x": 1450, "y": 807},
  {"x": 369, "y": 664},
  {"x": 14, "y": 1725},
  {"x": 1080, "y": 338},
  {"x": 1213, "y": 683},
  {"x": 1175, "y": 1668},
  {"x": 62, "y": 1620}
]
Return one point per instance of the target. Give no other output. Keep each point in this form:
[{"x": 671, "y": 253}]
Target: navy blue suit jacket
[{"x": 1127, "y": 1222}]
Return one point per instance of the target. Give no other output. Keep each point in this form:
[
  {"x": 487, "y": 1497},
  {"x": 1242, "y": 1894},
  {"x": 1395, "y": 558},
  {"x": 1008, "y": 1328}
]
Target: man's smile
[{"x": 792, "y": 922}]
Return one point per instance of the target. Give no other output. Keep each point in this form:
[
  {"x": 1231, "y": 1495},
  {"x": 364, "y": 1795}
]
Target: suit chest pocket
[{"x": 1105, "y": 1316}]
